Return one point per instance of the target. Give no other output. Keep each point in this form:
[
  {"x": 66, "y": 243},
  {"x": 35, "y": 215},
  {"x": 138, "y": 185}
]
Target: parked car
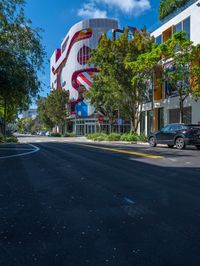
[
  {"x": 178, "y": 135},
  {"x": 42, "y": 133}
]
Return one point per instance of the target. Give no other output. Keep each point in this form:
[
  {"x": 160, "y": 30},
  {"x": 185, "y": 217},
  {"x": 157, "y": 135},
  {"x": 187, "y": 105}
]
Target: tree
[
  {"x": 113, "y": 88},
  {"x": 21, "y": 56},
  {"x": 184, "y": 69},
  {"x": 103, "y": 94},
  {"x": 184, "y": 72},
  {"x": 195, "y": 70},
  {"x": 24, "y": 125},
  {"x": 52, "y": 111},
  {"x": 42, "y": 113}
]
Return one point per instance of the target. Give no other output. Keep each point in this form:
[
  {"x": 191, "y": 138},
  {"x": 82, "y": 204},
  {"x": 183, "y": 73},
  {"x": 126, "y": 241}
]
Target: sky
[{"x": 57, "y": 17}]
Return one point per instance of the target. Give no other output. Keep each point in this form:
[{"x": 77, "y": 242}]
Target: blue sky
[{"x": 57, "y": 17}]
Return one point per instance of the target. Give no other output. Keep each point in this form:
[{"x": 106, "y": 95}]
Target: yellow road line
[{"x": 122, "y": 151}]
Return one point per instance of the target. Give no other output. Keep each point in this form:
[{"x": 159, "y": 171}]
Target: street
[{"x": 80, "y": 203}]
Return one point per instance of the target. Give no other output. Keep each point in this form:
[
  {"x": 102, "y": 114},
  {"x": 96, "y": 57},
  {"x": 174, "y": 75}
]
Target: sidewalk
[{"x": 84, "y": 139}]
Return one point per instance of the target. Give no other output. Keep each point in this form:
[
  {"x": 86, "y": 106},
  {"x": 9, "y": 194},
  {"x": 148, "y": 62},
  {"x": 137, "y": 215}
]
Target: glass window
[
  {"x": 149, "y": 121},
  {"x": 186, "y": 27},
  {"x": 166, "y": 129},
  {"x": 142, "y": 123},
  {"x": 178, "y": 27},
  {"x": 158, "y": 39},
  {"x": 160, "y": 118}
]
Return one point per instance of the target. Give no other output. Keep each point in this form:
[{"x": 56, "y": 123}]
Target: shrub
[
  {"x": 67, "y": 135},
  {"x": 1, "y": 138},
  {"x": 143, "y": 137},
  {"x": 12, "y": 139},
  {"x": 97, "y": 136},
  {"x": 55, "y": 135},
  {"x": 130, "y": 137},
  {"x": 101, "y": 137},
  {"x": 113, "y": 137}
]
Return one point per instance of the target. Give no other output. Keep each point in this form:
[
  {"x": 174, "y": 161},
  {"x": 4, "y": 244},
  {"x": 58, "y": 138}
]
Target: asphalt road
[{"x": 71, "y": 204}]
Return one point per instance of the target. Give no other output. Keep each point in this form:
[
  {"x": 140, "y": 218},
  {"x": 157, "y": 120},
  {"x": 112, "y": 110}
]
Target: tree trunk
[
  {"x": 133, "y": 123},
  {"x": 4, "y": 117},
  {"x": 181, "y": 110}
]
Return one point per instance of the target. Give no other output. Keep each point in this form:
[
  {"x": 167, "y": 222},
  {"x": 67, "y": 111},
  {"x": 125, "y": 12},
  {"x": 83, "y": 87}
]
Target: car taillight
[{"x": 189, "y": 131}]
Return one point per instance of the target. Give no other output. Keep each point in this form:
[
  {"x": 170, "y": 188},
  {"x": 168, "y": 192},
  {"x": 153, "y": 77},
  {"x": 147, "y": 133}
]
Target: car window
[
  {"x": 166, "y": 129},
  {"x": 175, "y": 128}
]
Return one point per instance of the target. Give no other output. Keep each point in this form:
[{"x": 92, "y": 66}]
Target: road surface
[{"x": 75, "y": 204}]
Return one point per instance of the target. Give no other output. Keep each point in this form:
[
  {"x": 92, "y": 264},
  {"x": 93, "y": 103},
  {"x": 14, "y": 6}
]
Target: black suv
[{"x": 176, "y": 134}]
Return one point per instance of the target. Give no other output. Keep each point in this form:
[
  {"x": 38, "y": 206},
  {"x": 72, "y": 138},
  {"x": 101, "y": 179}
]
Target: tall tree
[
  {"x": 113, "y": 87},
  {"x": 183, "y": 74},
  {"x": 56, "y": 107},
  {"x": 21, "y": 56},
  {"x": 42, "y": 113},
  {"x": 185, "y": 67}
]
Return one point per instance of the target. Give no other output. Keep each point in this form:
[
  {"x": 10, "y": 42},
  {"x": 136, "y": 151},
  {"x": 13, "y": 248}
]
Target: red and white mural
[{"x": 69, "y": 69}]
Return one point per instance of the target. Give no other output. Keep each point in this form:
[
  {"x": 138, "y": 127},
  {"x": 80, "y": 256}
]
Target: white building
[
  {"x": 70, "y": 71},
  {"x": 166, "y": 103},
  {"x": 32, "y": 112}
]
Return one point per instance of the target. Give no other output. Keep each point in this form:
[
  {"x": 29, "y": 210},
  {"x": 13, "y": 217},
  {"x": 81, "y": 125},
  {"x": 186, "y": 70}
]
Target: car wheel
[
  {"x": 180, "y": 143},
  {"x": 170, "y": 146},
  {"x": 152, "y": 142},
  {"x": 198, "y": 147}
]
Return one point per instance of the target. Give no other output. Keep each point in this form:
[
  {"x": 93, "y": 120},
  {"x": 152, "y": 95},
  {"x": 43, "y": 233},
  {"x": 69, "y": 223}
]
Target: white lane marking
[
  {"x": 129, "y": 200},
  {"x": 36, "y": 149},
  {"x": 173, "y": 160},
  {"x": 15, "y": 149}
]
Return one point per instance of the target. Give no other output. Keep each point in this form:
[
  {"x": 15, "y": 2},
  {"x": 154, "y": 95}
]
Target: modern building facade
[
  {"x": 164, "y": 108},
  {"x": 32, "y": 112},
  {"x": 70, "y": 71}
]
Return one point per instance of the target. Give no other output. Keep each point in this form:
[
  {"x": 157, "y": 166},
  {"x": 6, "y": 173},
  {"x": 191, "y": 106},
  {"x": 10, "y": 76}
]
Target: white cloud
[
  {"x": 89, "y": 10},
  {"x": 93, "y": 9},
  {"x": 133, "y": 7}
]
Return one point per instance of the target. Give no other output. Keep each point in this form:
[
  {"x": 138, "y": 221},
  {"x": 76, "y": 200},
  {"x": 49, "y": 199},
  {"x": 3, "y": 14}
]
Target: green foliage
[
  {"x": 195, "y": 70},
  {"x": 169, "y": 6},
  {"x": 186, "y": 58},
  {"x": 113, "y": 137},
  {"x": 56, "y": 106},
  {"x": 12, "y": 139},
  {"x": 68, "y": 135},
  {"x": 55, "y": 135},
  {"x": 21, "y": 57},
  {"x": 184, "y": 55},
  {"x": 52, "y": 111},
  {"x": 97, "y": 136},
  {"x": 113, "y": 89},
  {"x": 24, "y": 125},
  {"x": 130, "y": 137},
  {"x": 43, "y": 117}
]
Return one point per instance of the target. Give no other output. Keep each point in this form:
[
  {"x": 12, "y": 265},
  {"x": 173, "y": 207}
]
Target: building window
[
  {"x": 186, "y": 27},
  {"x": 174, "y": 115},
  {"x": 178, "y": 27},
  {"x": 170, "y": 90},
  {"x": 160, "y": 118},
  {"x": 142, "y": 122},
  {"x": 158, "y": 39},
  {"x": 183, "y": 26},
  {"x": 149, "y": 121}
]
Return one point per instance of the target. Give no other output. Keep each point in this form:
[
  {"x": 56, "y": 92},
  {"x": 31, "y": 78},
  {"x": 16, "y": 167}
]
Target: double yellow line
[{"x": 122, "y": 151}]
